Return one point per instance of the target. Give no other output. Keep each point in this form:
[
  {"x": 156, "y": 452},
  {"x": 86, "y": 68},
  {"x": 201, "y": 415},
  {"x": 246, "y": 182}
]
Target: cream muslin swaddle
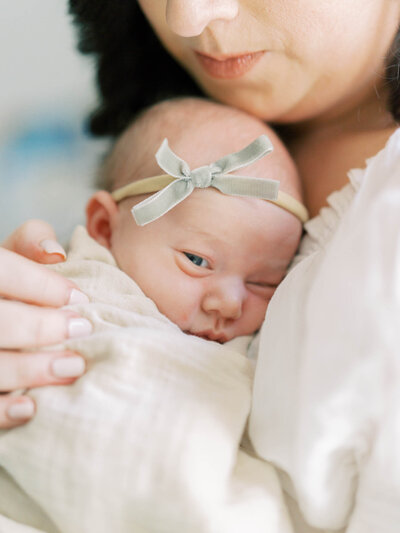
[{"x": 148, "y": 440}]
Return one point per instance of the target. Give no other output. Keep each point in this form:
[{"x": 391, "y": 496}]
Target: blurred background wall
[{"x": 47, "y": 162}]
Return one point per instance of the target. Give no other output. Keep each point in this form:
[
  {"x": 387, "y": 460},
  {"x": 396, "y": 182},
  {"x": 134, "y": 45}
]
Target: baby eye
[
  {"x": 197, "y": 260},
  {"x": 263, "y": 289}
]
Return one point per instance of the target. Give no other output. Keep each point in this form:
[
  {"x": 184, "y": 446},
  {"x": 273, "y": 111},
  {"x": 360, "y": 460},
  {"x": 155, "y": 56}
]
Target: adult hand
[{"x": 30, "y": 295}]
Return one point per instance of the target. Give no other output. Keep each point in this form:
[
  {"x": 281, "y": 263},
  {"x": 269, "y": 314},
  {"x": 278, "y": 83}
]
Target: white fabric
[
  {"x": 148, "y": 440},
  {"x": 11, "y": 526},
  {"x": 327, "y": 384}
]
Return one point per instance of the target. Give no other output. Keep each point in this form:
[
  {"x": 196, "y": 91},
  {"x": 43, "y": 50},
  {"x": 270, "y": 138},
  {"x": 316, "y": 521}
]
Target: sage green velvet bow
[{"x": 213, "y": 175}]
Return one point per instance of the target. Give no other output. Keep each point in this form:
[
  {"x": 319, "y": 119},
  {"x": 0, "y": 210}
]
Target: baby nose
[
  {"x": 188, "y": 18},
  {"x": 226, "y": 299}
]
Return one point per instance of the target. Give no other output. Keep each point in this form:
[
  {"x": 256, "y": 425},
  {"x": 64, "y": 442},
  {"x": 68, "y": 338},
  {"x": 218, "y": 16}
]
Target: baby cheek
[
  {"x": 183, "y": 318},
  {"x": 184, "y": 304},
  {"x": 257, "y": 307},
  {"x": 181, "y": 315}
]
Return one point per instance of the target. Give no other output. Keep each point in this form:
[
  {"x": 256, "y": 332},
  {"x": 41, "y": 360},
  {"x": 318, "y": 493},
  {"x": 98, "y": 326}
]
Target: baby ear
[{"x": 101, "y": 216}]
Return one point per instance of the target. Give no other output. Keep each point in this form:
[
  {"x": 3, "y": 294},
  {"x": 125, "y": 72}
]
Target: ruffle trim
[{"x": 320, "y": 229}]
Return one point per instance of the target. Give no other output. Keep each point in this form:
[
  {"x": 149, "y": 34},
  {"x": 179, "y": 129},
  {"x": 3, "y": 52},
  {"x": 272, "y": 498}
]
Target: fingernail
[
  {"x": 79, "y": 327},
  {"x": 77, "y": 297},
  {"x": 52, "y": 247},
  {"x": 21, "y": 410},
  {"x": 68, "y": 367}
]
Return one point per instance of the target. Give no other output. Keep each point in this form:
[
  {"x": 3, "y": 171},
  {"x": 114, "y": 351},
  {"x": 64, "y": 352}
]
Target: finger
[
  {"x": 36, "y": 240},
  {"x": 24, "y": 280},
  {"x": 22, "y": 325},
  {"x": 15, "y": 411},
  {"x": 36, "y": 369}
]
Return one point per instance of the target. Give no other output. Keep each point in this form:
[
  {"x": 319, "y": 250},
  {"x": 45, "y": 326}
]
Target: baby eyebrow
[{"x": 204, "y": 234}]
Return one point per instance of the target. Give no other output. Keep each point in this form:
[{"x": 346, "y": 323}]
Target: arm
[{"x": 30, "y": 296}]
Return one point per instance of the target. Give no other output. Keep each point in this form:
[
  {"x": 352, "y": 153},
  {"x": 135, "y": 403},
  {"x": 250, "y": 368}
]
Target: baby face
[{"x": 212, "y": 263}]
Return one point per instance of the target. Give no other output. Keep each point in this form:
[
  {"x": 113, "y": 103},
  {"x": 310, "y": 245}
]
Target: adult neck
[
  {"x": 367, "y": 111},
  {"x": 327, "y": 147}
]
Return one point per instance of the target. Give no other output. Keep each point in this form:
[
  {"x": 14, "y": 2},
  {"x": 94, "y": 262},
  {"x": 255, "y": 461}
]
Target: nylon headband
[{"x": 179, "y": 182}]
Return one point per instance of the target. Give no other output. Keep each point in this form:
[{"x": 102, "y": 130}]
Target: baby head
[{"x": 212, "y": 263}]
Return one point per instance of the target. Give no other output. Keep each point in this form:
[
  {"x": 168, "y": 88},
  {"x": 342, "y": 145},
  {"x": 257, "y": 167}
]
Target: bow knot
[
  {"x": 214, "y": 175},
  {"x": 202, "y": 177}
]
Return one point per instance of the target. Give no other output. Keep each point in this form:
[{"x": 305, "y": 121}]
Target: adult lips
[{"x": 228, "y": 67}]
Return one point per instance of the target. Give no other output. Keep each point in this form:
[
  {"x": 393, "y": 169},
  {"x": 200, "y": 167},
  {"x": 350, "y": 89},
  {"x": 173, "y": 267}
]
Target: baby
[
  {"x": 148, "y": 440},
  {"x": 212, "y": 263}
]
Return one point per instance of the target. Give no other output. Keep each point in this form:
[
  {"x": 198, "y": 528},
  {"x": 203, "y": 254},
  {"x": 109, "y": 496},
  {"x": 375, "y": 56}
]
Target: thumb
[{"x": 36, "y": 240}]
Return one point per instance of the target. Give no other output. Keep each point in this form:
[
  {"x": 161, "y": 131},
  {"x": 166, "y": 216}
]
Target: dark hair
[
  {"x": 134, "y": 71},
  {"x": 393, "y": 77}
]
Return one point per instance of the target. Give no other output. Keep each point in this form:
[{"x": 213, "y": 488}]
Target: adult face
[{"x": 280, "y": 60}]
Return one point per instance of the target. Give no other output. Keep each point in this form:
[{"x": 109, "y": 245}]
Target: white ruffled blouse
[{"x": 326, "y": 401}]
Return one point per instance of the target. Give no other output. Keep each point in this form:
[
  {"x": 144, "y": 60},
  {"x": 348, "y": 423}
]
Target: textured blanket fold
[{"x": 148, "y": 440}]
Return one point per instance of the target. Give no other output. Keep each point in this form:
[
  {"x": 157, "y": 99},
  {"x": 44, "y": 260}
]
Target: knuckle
[
  {"x": 44, "y": 285},
  {"x": 22, "y": 374},
  {"x": 8, "y": 380},
  {"x": 23, "y": 231},
  {"x": 51, "y": 327},
  {"x": 17, "y": 371},
  {"x": 41, "y": 331},
  {"x": 29, "y": 225},
  {"x": 53, "y": 288}
]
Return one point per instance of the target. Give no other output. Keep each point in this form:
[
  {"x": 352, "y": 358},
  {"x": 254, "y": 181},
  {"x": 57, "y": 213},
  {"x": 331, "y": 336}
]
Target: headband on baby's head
[{"x": 180, "y": 182}]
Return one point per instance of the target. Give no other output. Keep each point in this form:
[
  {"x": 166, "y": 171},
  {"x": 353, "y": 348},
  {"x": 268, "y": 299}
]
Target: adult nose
[
  {"x": 188, "y": 18},
  {"x": 225, "y": 298}
]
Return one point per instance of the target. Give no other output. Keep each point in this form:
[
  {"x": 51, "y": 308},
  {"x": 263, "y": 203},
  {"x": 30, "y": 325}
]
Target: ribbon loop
[
  {"x": 171, "y": 163},
  {"x": 250, "y": 154}
]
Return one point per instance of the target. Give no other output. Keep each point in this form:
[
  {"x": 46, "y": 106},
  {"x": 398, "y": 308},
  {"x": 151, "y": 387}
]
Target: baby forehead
[{"x": 209, "y": 212}]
